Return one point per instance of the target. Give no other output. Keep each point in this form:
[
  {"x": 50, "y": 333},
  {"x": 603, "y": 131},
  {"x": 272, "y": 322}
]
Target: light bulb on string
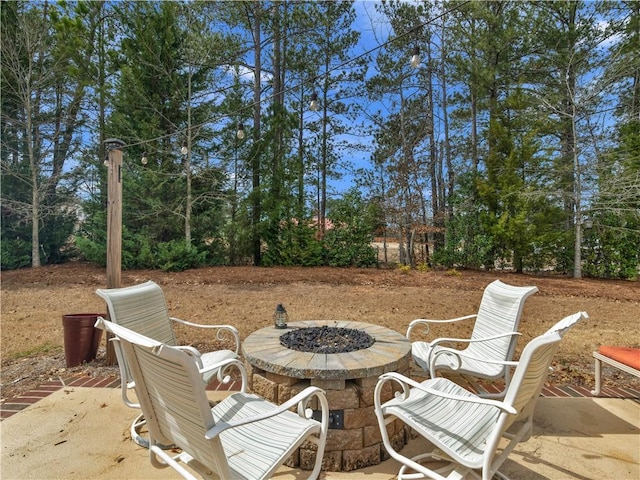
[
  {"x": 144, "y": 160},
  {"x": 415, "y": 59},
  {"x": 314, "y": 102},
  {"x": 184, "y": 150},
  {"x": 240, "y": 132}
]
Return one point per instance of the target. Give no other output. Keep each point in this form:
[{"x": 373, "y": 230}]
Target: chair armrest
[
  {"x": 425, "y": 323},
  {"x": 223, "y": 367},
  {"x": 300, "y": 400},
  {"x": 126, "y": 381},
  {"x": 433, "y": 353},
  {"x": 192, "y": 352},
  {"x": 456, "y": 356},
  {"x": 406, "y": 382},
  {"x": 222, "y": 330},
  {"x": 437, "y": 341}
]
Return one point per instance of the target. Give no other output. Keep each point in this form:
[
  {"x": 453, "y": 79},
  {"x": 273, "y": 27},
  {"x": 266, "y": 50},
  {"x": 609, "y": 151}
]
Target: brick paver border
[{"x": 15, "y": 405}]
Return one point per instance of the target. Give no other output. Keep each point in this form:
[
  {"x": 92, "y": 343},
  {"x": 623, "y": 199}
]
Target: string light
[
  {"x": 314, "y": 102},
  {"x": 240, "y": 133},
  {"x": 184, "y": 150},
  {"x": 144, "y": 160},
  {"x": 415, "y": 59}
]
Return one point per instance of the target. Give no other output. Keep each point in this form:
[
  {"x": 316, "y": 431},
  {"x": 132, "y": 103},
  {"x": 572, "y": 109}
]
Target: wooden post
[{"x": 114, "y": 225}]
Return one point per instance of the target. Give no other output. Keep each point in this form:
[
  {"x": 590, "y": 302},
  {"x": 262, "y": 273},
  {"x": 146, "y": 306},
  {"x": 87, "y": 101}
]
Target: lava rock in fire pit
[{"x": 326, "y": 340}]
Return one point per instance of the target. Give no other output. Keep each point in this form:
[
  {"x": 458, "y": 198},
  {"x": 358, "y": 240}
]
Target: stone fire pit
[
  {"x": 326, "y": 339},
  {"x": 277, "y": 373}
]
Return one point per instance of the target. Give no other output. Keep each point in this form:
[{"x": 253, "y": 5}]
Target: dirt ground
[{"x": 34, "y": 301}]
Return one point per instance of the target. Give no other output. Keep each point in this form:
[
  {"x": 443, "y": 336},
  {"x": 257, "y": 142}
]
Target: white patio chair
[
  {"x": 241, "y": 437},
  {"x": 143, "y": 309},
  {"x": 464, "y": 428},
  {"x": 494, "y": 339}
]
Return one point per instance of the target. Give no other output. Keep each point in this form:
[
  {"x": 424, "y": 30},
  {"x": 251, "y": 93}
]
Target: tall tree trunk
[
  {"x": 569, "y": 166},
  {"x": 35, "y": 207},
  {"x": 446, "y": 146},
  {"x": 32, "y": 111},
  {"x": 577, "y": 188},
  {"x": 187, "y": 167},
  {"x": 33, "y": 145},
  {"x": 255, "y": 159},
  {"x": 324, "y": 161},
  {"x": 437, "y": 202},
  {"x": 102, "y": 107},
  {"x": 301, "y": 151},
  {"x": 474, "y": 105},
  {"x": 635, "y": 98},
  {"x": 278, "y": 105}
]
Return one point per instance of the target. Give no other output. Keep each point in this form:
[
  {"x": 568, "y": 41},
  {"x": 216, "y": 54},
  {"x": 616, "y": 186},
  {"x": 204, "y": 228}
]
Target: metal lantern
[{"x": 280, "y": 317}]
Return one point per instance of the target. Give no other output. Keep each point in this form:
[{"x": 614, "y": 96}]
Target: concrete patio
[{"x": 83, "y": 433}]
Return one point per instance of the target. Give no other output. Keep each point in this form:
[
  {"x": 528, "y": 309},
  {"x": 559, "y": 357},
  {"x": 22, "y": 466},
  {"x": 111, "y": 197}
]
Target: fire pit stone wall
[{"x": 354, "y": 439}]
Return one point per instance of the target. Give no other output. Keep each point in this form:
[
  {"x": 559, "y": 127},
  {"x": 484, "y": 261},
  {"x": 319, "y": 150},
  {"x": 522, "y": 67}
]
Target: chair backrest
[
  {"x": 141, "y": 308},
  {"x": 500, "y": 312},
  {"x": 564, "y": 325},
  {"x": 533, "y": 367},
  {"x": 524, "y": 390},
  {"x": 172, "y": 397}
]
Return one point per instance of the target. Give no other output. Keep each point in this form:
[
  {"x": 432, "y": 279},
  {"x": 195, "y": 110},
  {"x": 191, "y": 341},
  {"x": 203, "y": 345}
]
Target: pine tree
[{"x": 47, "y": 52}]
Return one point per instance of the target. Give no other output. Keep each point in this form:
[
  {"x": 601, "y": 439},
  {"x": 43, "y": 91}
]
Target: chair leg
[
  {"x": 140, "y": 439},
  {"x": 448, "y": 469},
  {"x": 502, "y": 476},
  {"x": 598, "y": 375},
  {"x": 136, "y": 425}
]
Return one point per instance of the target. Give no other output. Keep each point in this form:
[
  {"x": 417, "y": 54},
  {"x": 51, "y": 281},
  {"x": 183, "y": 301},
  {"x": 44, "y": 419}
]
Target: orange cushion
[{"x": 627, "y": 355}]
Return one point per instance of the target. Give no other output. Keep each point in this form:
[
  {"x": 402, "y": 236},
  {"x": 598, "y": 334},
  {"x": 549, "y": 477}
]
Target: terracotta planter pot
[{"x": 81, "y": 338}]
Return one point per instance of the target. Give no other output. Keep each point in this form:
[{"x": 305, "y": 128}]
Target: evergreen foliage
[{"x": 515, "y": 144}]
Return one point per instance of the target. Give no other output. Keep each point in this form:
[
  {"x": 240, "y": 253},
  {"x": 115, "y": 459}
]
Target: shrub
[
  {"x": 15, "y": 254},
  {"x": 404, "y": 268},
  {"x": 422, "y": 267},
  {"x": 175, "y": 256}
]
